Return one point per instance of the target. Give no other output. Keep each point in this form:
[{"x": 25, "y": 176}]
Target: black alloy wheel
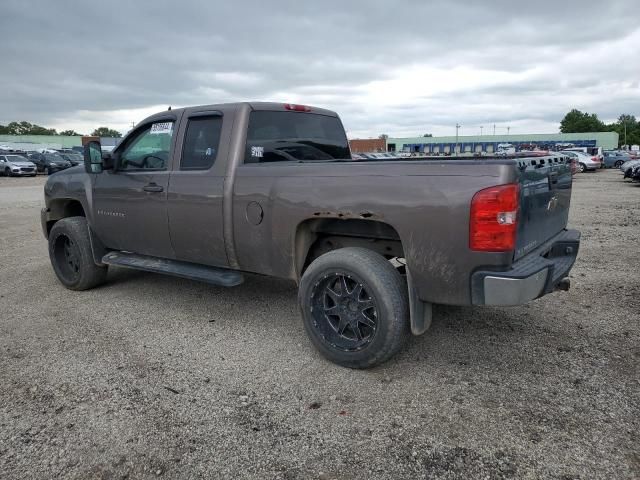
[
  {"x": 354, "y": 307},
  {"x": 71, "y": 255},
  {"x": 67, "y": 257},
  {"x": 344, "y": 312}
]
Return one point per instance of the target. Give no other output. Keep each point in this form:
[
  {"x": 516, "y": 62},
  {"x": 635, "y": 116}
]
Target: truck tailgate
[{"x": 545, "y": 196}]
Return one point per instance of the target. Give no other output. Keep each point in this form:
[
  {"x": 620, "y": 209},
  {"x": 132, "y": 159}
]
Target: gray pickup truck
[{"x": 212, "y": 193}]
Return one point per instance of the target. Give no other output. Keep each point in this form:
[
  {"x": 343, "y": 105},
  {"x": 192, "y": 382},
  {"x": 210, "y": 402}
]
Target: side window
[
  {"x": 201, "y": 143},
  {"x": 149, "y": 148}
]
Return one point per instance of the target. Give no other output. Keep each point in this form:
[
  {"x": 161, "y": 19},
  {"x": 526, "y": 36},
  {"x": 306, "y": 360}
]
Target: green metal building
[
  {"x": 489, "y": 143},
  {"x": 33, "y": 142}
]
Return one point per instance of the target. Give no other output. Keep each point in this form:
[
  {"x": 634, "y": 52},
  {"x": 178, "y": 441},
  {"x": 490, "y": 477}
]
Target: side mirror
[{"x": 93, "y": 157}]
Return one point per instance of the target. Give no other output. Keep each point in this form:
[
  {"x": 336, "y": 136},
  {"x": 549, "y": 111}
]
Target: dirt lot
[{"x": 152, "y": 376}]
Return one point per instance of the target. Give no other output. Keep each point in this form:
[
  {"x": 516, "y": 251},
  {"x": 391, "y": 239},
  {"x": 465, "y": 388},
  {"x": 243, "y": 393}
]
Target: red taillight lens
[
  {"x": 494, "y": 219},
  {"x": 296, "y": 108}
]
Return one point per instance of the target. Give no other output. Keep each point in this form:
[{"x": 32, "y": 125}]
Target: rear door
[
  {"x": 545, "y": 196},
  {"x": 196, "y": 190},
  {"x": 130, "y": 203}
]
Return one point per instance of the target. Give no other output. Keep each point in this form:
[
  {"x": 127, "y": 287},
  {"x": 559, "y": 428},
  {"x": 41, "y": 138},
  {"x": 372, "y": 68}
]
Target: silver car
[
  {"x": 585, "y": 162},
  {"x": 16, "y": 165}
]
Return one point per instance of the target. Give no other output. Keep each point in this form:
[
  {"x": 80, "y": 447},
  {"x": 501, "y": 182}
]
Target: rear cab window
[{"x": 274, "y": 136}]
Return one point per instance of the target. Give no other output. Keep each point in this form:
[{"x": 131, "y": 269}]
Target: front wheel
[
  {"x": 618, "y": 163},
  {"x": 583, "y": 168},
  {"x": 7, "y": 172},
  {"x": 71, "y": 256},
  {"x": 354, "y": 307}
]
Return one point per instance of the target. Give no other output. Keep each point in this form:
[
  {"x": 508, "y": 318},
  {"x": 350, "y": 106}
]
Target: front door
[{"x": 130, "y": 202}]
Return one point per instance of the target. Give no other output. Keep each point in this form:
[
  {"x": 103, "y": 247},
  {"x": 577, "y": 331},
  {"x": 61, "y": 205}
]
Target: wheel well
[
  {"x": 317, "y": 236},
  {"x": 64, "y": 208}
]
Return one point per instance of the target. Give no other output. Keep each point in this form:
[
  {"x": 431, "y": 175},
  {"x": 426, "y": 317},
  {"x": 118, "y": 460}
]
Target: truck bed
[{"x": 424, "y": 202}]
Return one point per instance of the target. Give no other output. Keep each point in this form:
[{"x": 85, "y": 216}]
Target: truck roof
[{"x": 272, "y": 106}]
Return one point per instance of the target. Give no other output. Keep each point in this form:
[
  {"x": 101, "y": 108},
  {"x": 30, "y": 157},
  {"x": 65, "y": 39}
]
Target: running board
[{"x": 192, "y": 271}]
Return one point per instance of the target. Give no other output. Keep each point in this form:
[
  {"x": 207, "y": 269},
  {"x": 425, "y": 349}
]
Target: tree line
[
  {"x": 627, "y": 127},
  {"x": 26, "y": 128}
]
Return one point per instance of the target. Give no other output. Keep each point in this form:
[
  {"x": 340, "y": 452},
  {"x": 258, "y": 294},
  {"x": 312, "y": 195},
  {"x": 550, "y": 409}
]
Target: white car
[
  {"x": 585, "y": 162},
  {"x": 16, "y": 165}
]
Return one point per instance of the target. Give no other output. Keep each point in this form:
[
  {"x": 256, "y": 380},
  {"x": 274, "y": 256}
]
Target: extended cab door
[
  {"x": 130, "y": 202},
  {"x": 197, "y": 183}
]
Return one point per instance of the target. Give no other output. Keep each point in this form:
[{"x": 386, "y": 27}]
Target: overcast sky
[{"x": 398, "y": 67}]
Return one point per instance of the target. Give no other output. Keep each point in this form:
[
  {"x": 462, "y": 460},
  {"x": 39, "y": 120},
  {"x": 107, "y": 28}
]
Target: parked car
[
  {"x": 633, "y": 172},
  {"x": 72, "y": 157},
  {"x": 49, "y": 162},
  {"x": 372, "y": 244},
  {"x": 593, "y": 151},
  {"x": 16, "y": 165},
  {"x": 627, "y": 166},
  {"x": 585, "y": 162},
  {"x": 615, "y": 158}
]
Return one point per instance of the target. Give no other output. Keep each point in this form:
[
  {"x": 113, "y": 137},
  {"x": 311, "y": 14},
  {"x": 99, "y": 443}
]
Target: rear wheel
[
  {"x": 354, "y": 307},
  {"x": 618, "y": 163},
  {"x": 582, "y": 168},
  {"x": 71, "y": 256}
]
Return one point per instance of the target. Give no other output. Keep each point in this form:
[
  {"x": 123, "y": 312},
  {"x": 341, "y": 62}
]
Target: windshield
[
  {"x": 294, "y": 136},
  {"x": 16, "y": 158},
  {"x": 53, "y": 157}
]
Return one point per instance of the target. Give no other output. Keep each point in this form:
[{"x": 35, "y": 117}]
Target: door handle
[{"x": 153, "y": 187}]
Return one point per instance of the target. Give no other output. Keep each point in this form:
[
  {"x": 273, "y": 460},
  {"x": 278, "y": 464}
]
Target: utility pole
[
  {"x": 508, "y": 128},
  {"x": 457, "y": 127},
  {"x": 481, "y": 127},
  {"x": 625, "y": 132},
  {"x": 494, "y": 129}
]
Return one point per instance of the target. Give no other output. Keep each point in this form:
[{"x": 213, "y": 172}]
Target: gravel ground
[{"x": 151, "y": 376}]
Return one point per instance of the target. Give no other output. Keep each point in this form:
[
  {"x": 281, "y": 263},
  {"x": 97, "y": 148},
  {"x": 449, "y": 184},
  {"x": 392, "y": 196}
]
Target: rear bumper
[{"x": 531, "y": 277}]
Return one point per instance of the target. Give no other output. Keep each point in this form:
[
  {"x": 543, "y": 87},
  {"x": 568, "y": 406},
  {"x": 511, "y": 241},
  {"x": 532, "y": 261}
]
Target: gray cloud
[{"x": 77, "y": 63}]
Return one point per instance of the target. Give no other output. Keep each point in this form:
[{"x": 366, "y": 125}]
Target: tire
[
  {"x": 71, "y": 256},
  {"x": 583, "y": 168},
  {"x": 7, "y": 172},
  {"x": 618, "y": 163},
  {"x": 372, "y": 311},
  {"x": 49, "y": 172}
]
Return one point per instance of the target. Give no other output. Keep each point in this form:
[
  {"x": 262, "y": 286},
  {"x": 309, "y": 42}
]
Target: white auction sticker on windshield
[{"x": 164, "y": 127}]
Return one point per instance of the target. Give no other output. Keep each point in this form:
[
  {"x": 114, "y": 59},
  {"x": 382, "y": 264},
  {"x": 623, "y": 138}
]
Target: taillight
[
  {"x": 297, "y": 108},
  {"x": 494, "y": 218}
]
